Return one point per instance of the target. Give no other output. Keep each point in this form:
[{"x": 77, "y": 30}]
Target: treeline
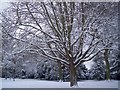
[{"x": 48, "y": 70}]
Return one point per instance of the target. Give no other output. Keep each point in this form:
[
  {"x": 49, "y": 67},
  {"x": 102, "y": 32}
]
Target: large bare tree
[{"x": 66, "y": 32}]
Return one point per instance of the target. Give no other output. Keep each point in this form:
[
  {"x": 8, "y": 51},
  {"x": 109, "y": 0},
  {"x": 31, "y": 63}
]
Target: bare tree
[{"x": 66, "y": 32}]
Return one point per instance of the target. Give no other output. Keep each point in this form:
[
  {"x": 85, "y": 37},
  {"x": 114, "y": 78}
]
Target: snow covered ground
[{"x": 30, "y": 83}]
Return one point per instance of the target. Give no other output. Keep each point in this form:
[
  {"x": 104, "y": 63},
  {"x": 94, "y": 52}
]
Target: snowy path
[{"x": 29, "y": 83}]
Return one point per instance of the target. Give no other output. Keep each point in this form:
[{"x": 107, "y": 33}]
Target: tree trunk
[
  {"x": 60, "y": 71},
  {"x": 6, "y": 73},
  {"x": 107, "y": 64},
  {"x": 13, "y": 74},
  {"x": 73, "y": 75}
]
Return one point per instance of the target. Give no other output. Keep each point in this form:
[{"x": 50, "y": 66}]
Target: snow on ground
[{"x": 31, "y": 83}]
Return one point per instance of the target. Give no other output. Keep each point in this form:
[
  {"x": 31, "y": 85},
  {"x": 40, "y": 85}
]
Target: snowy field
[{"x": 30, "y": 83}]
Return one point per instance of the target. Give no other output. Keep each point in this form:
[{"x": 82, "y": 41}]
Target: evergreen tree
[{"x": 97, "y": 71}]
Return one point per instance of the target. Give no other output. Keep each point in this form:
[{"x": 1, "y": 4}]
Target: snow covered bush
[
  {"x": 98, "y": 70},
  {"x": 47, "y": 70},
  {"x": 82, "y": 72}
]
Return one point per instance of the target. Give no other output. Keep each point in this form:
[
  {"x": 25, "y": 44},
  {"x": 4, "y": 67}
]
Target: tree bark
[
  {"x": 6, "y": 73},
  {"x": 107, "y": 64},
  {"x": 60, "y": 71},
  {"x": 13, "y": 74},
  {"x": 73, "y": 74}
]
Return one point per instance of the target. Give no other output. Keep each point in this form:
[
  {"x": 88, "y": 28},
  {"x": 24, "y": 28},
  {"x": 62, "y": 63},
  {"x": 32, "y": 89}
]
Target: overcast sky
[{"x": 3, "y": 4}]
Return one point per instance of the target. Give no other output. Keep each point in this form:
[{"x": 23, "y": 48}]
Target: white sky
[
  {"x": 89, "y": 64},
  {"x": 3, "y": 5}
]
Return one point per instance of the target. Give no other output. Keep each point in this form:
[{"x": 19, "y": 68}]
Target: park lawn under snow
[{"x": 32, "y": 83}]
